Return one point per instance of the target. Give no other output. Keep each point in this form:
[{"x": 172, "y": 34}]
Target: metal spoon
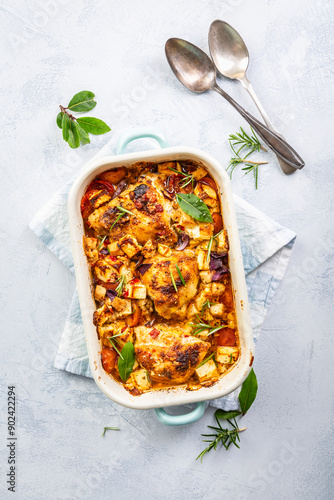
[
  {"x": 231, "y": 58},
  {"x": 196, "y": 71}
]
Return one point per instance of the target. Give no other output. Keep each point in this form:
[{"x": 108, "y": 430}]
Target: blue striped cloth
[{"x": 266, "y": 248}]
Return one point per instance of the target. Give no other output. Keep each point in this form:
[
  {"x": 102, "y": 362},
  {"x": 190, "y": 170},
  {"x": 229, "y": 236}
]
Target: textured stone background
[{"x": 51, "y": 50}]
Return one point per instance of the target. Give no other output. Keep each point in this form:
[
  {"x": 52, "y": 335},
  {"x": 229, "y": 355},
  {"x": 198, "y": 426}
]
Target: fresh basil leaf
[
  {"x": 73, "y": 135},
  {"x": 84, "y": 136},
  {"x": 60, "y": 119},
  {"x": 66, "y": 126},
  {"x": 192, "y": 205},
  {"x": 248, "y": 392},
  {"x": 82, "y": 101},
  {"x": 93, "y": 125},
  {"x": 125, "y": 365},
  {"x": 224, "y": 415}
]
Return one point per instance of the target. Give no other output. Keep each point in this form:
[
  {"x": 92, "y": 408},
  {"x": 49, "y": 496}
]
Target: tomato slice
[
  {"x": 209, "y": 182},
  {"x": 108, "y": 357},
  {"x": 217, "y": 222},
  {"x": 86, "y": 207},
  {"x": 113, "y": 176},
  {"x": 226, "y": 337},
  {"x": 133, "y": 320},
  {"x": 101, "y": 184},
  {"x": 227, "y": 298}
]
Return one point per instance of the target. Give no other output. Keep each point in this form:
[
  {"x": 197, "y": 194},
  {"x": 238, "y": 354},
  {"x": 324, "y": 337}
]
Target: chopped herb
[
  {"x": 180, "y": 274},
  {"x": 116, "y": 220},
  {"x": 114, "y": 346},
  {"x": 124, "y": 210},
  {"x": 206, "y": 359},
  {"x": 109, "y": 429},
  {"x": 121, "y": 285},
  {"x": 231, "y": 358},
  {"x": 173, "y": 280},
  {"x": 207, "y": 304},
  {"x": 188, "y": 178},
  {"x": 101, "y": 244},
  {"x": 200, "y": 327}
]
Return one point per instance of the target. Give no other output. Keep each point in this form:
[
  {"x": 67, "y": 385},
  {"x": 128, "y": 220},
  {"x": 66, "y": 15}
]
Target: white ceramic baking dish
[{"x": 178, "y": 396}]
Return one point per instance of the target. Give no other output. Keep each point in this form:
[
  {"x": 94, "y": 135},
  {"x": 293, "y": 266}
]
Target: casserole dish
[{"x": 175, "y": 396}]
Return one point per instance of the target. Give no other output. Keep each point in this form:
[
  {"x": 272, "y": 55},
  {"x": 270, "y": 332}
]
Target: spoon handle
[
  {"x": 287, "y": 169},
  {"x": 278, "y": 145}
]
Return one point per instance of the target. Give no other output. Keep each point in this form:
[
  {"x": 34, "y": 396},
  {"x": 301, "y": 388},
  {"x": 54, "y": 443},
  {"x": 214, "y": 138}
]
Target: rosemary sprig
[
  {"x": 205, "y": 360},
  {"x": 173, "y": 280},
  {"x": 109, "y": 429},
  {"x": 114, "y": 346},
  {"x": 224, "y": 436},
  {"x": 188, "y": 178},
  {"x": 121, "y": 285},
  {"x": 207, "y": 304},
  {"x": 101, "y": 244},
  {"x": 209, "y": 247},
  {"x": 200, "y": 327},
  {"x": 249, "y": 142},
  {"x": 122, "y": 211},
  {"x": 180, "y": 274}
]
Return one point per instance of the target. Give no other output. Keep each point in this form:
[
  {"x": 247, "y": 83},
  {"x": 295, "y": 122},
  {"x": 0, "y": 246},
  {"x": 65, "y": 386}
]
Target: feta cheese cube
[
  {"x": 141, "y": 379},
  {"x": 100, "y": 293},
  {"x": 202, "y": 262},
  {"x": 129, "y": 245},
  {"x": 114, "y": 249},
  {"x": 223, "y": 354},
  {"x": 164, "y": 250},
  {"x": 208, "y": 371},
  {"x": 217, "y": 310}
]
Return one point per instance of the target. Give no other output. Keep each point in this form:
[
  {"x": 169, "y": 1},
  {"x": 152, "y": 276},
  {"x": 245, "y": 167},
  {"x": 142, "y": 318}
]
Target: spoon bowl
[
  {"x": 228, "y": 50},
  {"x": 190, "y": 65}
]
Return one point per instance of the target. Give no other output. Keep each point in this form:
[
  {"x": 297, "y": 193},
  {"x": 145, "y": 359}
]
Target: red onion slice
[
  {"x": 217, "y": 275},
  {"x": 182, "y": 242},
  {"x": 111, "y": 294},
  {"x": 121, "y": 186},
  {"x": 143, "y": 268}
]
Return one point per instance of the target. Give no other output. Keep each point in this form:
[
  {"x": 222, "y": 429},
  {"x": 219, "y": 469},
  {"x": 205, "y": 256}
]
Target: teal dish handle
[
  {"x": 188, "y": 418},
  {"x": 139, "y": 133}
]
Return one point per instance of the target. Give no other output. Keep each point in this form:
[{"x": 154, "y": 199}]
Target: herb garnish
[
  {"x": 121, "y": 285},
  {"x": 193, "y": 206},
  {"x": 228, "y": 436},
  {"x": 248, "y": 142},
  {"x": 207, "y": 304},
  {"x": 122, "y": 211},
  {"x": 109, "y": 429},
  {"x": 188, "y": 178},
  {"x": 209, "y": 247},
  {"x": 102, "y": 241},
  {"x": 173, "y": 280},
  {"x": 200, "y": 327},
  {"x": 114, "y": 346},
  {"x": 125, "y": 364},
  {"x": 77, "y": 130},
  {"x": 180, "y": 274},
  {"x": 205, "y": 360}
]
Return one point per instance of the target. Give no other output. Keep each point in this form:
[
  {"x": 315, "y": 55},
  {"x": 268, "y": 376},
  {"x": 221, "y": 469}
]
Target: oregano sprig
[{"x": 76, "y": 130}]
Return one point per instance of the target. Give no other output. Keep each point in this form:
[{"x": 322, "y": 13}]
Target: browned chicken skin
[
  {"x": 171, "y": 356},
  {"x": 159, "y": 283},
  {"x": 148, "y": 220}
]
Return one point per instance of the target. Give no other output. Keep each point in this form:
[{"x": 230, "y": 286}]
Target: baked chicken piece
[
  {"x": 148, "y": 219},
  {"x": 167, "y": 353},
  {"x": 158, "y": 281}
]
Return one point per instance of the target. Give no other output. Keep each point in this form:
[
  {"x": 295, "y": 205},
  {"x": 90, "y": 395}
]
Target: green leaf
[
  {"x": 60, "y": 119},
  {"x": 73, "y": 135},
  {"x": 192, "y": 205},
  {"x": 225, "y": 415},
  {"x": 66, "y": 126},
  {"x": 93, "y": 125},
  {"x": 248, "y": 392},
  {"x": 82, "y": 101},
  {"x": 84, "y": 137},
  {"x": 125, "y": 365}
]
